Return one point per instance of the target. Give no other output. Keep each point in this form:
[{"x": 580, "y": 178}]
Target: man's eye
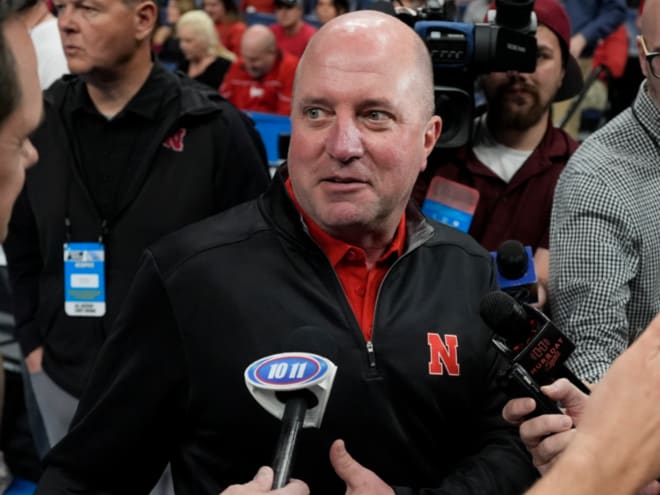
[
  {"x": 376, "y": 115},
  {"x": 314, "y": 113}
]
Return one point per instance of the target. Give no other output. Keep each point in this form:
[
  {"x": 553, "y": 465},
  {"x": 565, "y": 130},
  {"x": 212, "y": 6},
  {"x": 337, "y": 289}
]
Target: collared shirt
[
  {"x": 350, "y": 263},
  {"x": 604, "y": 285},
  {"x": 519, "y": 209},
  {"x": 269, "y": 94},
  {"x": 108, "y": 149}
]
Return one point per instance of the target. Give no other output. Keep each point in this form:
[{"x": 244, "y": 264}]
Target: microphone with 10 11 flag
[{"x": 294, "y": 386}]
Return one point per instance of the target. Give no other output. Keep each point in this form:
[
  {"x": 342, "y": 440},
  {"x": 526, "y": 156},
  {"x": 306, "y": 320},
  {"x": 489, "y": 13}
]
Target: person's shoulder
[
  {"x": 618, "y": 142},
  {"x": 199, "y": 99},
  {"x": 289, "y": 62},
  {"x": 310, "y": 29},
  {"x": 57, "y": 91},
  {"x": 228, "y": 228},
  {"x": 448, "y": 238}
]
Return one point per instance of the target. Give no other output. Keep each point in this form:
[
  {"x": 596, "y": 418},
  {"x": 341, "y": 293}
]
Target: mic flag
[
  {"x": 450, "y": 203},
  {"x": 293, "y": 386}
]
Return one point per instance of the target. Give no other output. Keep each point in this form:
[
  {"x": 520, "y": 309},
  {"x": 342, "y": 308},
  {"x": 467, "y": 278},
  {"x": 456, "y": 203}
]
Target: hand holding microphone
[
  {"x": 294, "y": 386},
  {"x": 533, "y": 346}
]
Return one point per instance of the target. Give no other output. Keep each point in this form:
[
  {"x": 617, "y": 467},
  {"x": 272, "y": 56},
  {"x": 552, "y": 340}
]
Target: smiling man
[{"x": 335, "y": 243}]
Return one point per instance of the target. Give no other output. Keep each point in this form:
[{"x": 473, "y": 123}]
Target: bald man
[
  {"x": 334, "y": 244},
  {"x": 261, "y": 80}
]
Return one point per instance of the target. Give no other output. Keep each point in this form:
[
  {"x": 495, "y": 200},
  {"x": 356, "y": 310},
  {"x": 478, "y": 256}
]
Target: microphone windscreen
[
  {"x": 512, "y": 259},
  {"x": 505, "y": 316}
]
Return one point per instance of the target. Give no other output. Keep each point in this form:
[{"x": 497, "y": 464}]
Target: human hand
[
  {"x": 33, "y": 360},
  {"x": 547, "y": 436},
  {"x": 262, "y": 483},
  {"x": 652, "y": 488},
  {"x": 578, "y": 42},
  {"x": 359, "y": 480},
  {"x": 622, "y": 415}
]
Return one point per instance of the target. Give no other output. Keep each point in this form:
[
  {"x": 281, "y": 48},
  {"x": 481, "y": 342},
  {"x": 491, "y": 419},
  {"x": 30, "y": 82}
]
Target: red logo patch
[
  {"x": 175, "y": 141},
  {"x": 443, "y": 354}
]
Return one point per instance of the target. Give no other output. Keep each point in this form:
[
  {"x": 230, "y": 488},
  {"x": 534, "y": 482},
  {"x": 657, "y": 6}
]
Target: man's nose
[
  {"x": 344, "y": 142},
  {"x": 65, "y": 18},
  {"x": 29, "y": 153}
]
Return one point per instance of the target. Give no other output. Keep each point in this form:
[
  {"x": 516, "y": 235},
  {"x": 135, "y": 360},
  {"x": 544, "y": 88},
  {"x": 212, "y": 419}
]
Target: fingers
[
  {"x": 652, "y": 488},
  {"x": 516, "y": 410},
  {"x": 569, "y": 395},
  {"x": 294, "y": 487},
  {"x": 344, "y": 465},
  {"x": 262, "y": 482},
  {"x": 359, "y": 480},
  {"x": 546, "y": 452},
  {"x": 264, "y": 478},
  {"x": 535, "y": 430}
]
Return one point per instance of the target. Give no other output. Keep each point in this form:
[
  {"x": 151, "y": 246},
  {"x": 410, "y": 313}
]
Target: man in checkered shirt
[{"x": 604, "y": 285}]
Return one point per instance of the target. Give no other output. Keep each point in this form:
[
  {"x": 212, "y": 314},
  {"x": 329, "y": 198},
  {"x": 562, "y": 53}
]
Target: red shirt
[
  {"x": 270, "y": 94},
  {"x": 350, "y": 263},
  {"x": 230, "y": 35},
  {"x": 517, "y": 210},
  {"x": 293, "y": 44}
]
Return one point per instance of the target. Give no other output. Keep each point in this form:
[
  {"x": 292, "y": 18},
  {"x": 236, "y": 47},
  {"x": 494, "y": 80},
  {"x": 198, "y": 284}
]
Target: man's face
[
  {"x": 257, "y": 60},
  {"x": 288, "y": 17},
  {"x": 359, "y": 138},
  {"x": 517, "y": 100},
  {"x": 215, "y": 9},
  {"x": 97, "y": 35},
  {"x": 651, "y": 33},
  {"x": 16, "y": 150}
]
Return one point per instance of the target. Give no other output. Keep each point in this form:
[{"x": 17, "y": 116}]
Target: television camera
[{"x": 460, "y": 52}]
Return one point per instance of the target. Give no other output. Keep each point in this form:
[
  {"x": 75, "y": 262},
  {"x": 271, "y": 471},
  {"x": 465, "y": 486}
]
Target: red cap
[{"x": 552, "y": 15}]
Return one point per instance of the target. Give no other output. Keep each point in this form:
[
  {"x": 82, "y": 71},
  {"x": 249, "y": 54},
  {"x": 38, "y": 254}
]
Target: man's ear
[{"x": 146, "y": 14}]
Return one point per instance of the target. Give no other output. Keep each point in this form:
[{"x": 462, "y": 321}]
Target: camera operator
[{"x": 516, "y": 155}]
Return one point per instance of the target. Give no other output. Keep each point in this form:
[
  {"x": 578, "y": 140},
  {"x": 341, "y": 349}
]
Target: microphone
[
  {"x": 515, "y": 271},
  {"x": 294, "y": 386},
  {"x": 535, "y": 348}
]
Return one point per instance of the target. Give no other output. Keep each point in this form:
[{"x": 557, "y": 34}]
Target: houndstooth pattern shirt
[{"x": 604, "y": 285}]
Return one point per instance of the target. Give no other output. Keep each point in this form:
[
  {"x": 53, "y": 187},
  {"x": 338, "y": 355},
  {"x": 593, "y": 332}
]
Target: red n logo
[
  {"x": 175, "y": 141},
  {"x": 444, "y": 354}
]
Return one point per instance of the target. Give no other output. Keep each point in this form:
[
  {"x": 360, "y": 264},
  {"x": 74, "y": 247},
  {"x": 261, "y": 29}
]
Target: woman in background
[
  {"x": 164, "y": 42},
  {"x": 228, "y": 23},
  {"x": 206, "y": 59}
]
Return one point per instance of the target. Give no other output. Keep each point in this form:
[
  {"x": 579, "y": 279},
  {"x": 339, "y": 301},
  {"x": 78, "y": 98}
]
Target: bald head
[
  {"x": 258, "y": 50},
  {"x": 383, "y": 36},
  {"x": 258, "y": 39}
]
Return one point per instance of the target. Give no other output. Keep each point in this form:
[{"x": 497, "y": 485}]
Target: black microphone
[
  {"x": 533, "y": 345},
  {"x": 515, "y": 271},
  {"x": 294, "y": 386}
]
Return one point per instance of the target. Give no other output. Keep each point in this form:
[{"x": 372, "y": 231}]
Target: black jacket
[
  {"x": 218, "y": 163},
  {"x": 215, "y": 297}
]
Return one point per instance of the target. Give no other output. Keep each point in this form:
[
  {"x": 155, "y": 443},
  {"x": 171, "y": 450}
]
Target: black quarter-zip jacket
[
  {"x": 214, "y": 297},
  {"x": 205, "y": 157}
]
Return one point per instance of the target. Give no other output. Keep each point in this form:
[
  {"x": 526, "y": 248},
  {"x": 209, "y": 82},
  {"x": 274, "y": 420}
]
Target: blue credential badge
[{"x": 84, "y": 279}]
